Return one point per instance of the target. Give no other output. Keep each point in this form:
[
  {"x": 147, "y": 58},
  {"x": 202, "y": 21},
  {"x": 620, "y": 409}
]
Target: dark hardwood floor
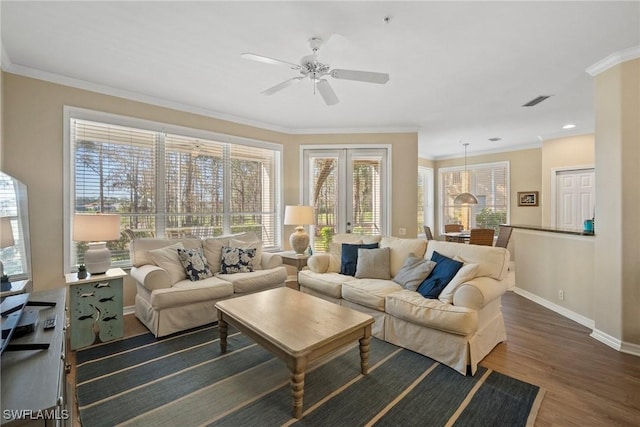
[{"x": 586, "y": 383}]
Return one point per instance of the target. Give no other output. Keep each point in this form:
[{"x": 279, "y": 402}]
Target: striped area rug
[{"x": 184, "y": 380}]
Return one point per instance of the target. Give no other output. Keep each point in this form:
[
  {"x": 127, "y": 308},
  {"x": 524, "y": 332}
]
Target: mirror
[{"x": 15, "y": 253}]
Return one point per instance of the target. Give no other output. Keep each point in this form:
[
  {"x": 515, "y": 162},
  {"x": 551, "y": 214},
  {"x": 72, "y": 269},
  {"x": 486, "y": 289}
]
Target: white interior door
[
  {"x": 348, "y": 189},
  {"x": 575, "y": 198}
]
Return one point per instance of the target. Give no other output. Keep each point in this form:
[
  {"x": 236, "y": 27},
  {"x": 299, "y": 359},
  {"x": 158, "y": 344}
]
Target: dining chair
[
  {"x": 452, "y": 228},
  {"x": 481, "y": 236},
  {"x": 504, "y": 233},
  {"x": 427, "y": 232}
]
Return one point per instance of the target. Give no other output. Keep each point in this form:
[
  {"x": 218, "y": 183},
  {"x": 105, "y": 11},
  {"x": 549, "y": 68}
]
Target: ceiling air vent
[
  {"x": 495, "y": 139},
  {"x": 536, "y": 101}
]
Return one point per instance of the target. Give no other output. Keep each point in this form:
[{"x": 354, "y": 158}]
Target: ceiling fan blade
[
  {"x": 268, "y": 60},
  {"x": 327, "y": 93},
  {"x": 361, "y": 76},
  {"x": 281, "y": 86}
]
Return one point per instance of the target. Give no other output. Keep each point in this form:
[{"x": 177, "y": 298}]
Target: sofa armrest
[
  {"x": 270, "y": 260},
  {"x": 319, "y": 263},
  {"x": 478, "y": 292},
  {"x": 151, "y": 277}
]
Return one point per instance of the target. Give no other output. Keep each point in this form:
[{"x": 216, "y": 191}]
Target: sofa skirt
[
  {"x": 175, "y": 319},
  {"x": 455, "y": 351}
]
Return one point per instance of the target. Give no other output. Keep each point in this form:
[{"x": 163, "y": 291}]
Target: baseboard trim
[
  {"x": 584, "y": 321},
  {"x": 130, "y": 309},
  {"x": 608, "y": 340}
]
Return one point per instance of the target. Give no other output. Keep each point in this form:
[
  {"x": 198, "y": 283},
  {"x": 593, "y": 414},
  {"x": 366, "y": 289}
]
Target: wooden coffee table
[{"x": 297, "y": 328}]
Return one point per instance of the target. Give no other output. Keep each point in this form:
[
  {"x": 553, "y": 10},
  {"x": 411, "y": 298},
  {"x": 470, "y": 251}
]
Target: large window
[
  {"x": 488, "y": 182},
  {"x": 168, "y": 182}
]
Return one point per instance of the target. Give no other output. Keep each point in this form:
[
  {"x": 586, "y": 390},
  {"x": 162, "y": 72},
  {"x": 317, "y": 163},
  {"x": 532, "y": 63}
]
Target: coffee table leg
[
  {"x": 297, "y": 385},
  {"x": 222, "y": 326},
  {"x": 365, "y": 342}
]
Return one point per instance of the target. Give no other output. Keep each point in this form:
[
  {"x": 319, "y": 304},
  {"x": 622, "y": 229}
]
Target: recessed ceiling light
[{"x": 569, "y": 126}]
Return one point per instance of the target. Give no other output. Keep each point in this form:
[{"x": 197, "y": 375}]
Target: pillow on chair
[
  {"x": 167, "y": 258},
  {"x": 373, "y": 264}
]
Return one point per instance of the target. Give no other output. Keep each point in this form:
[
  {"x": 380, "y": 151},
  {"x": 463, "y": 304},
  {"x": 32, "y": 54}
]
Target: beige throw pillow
[
  {"x": 373, "y": 264},
  {"x": 167, "y": 258},
  {"x": 467, "y": 272},
  {"x": 413, "y": 272}
]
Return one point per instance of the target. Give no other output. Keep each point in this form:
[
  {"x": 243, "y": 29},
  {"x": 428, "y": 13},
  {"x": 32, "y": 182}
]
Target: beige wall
[
  {"x": 617, "y": 153},
  {"x": 563, "y": 153},
  {"x": 34, "y": 154},
  {"x": 404, "y": 171},
  {"x": 525, "y": 171}
]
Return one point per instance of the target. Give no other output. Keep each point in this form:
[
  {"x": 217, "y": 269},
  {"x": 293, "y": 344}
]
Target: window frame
[
  {"x": 426, "y": 174},
  {"x": 471, "y": 169},
  {"x": 70, "y": 113}
]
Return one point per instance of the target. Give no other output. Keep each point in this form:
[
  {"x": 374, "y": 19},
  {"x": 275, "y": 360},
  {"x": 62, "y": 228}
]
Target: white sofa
[
  {"x": 167, "y": 301},
  {"x": 458, "y": 329}
]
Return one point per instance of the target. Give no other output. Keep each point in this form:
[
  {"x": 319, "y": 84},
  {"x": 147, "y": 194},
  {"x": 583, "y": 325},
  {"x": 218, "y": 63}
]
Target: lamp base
[
  {"x": 97, "y": 259},
  {"x": 299, "y": 240}
]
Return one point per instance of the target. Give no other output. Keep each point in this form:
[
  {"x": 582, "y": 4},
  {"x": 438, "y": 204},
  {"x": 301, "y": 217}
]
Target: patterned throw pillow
[
  {"x": 194, "y": 263},
  {"x": 237, "y": 260}
]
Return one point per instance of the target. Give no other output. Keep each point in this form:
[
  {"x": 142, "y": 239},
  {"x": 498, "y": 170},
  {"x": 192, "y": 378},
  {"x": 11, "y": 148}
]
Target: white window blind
[
  {"x": 488, "y": 182},
  {"x": 172, "y": 185}
]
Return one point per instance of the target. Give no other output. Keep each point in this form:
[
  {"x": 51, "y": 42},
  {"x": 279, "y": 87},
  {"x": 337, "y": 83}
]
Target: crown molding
[
  {"x": 9, "y": 67},
  {"x": 613, "y": 60}
]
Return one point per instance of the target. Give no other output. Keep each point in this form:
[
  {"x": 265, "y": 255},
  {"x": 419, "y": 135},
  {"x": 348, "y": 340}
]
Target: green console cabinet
[{"x": 95, "y": 307}]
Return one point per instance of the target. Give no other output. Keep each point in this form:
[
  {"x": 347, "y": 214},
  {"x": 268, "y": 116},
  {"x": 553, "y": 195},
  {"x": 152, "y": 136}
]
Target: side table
[
  {"x": 95, "y": 307},
  {"x": 295, "y": 260}
]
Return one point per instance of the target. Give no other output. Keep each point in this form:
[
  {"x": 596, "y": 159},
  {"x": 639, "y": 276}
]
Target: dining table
[{"x": 458, "y": 236}]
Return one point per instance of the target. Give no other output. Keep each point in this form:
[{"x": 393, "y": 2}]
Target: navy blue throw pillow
[
  {"x": 445, "y": 269},
  {"x": 349, "y": 258}
]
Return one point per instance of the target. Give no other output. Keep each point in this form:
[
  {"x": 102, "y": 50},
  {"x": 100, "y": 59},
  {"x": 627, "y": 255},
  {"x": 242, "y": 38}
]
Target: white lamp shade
[
  {"x": 96, "y": 227},
  {"x": 6, "y": 232},
  {"x": 298, "y": 215}
]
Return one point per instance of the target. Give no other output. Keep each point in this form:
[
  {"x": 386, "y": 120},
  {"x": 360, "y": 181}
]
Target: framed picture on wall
[{"x": 527, "y": 198}]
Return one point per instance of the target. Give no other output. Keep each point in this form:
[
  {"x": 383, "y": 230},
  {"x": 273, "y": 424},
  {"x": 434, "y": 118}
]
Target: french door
[{"x": 348, "y": 189}]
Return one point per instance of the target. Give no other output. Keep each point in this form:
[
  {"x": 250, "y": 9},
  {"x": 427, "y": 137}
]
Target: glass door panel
[{"x": 347, "y": 188}]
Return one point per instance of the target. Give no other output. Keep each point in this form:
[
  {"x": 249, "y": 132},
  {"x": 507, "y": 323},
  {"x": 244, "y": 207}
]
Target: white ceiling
[{"x": 458, "y": 70}]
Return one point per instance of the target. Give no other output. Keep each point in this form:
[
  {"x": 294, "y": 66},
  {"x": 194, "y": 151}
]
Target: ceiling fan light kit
[{"x": 316, "y": 71}]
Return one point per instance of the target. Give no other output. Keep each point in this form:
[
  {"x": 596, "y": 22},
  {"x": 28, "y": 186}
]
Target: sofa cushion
[
  {"x": 335, "y": 247},
  {"x": 432, "y": 313},
  {"x": 413, "y": 272},
  {"x": 212, "y": 248},
  {"x": 400, "y": 250},
  {"x": 369, "y": 292},
  {"x": 329, "y": 284},
  {"x": 244, "y": 283},
  {"x": 139, "y": 248},
  {"x": 255, "y": 244},
  {"x": 492, "y": 262},
  {"x": 349, "y": 258},
  {"x": 194, "y": 263},
  {"x": 466, "y": 273},
  {"x": 167, "y": 258},
  {"x": 445, "y": 269},
  {"x": 187, "y": 292},
  {"x": 373, "y": 264},
  {"x": 237, "y": 260}
]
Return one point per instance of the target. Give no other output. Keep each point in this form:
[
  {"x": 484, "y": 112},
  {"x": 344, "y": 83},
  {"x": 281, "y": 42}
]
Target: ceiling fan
[{"x": 316, "y": 71}]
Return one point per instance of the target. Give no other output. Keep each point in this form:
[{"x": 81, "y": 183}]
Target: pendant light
[{"x": 465, "y": 198}]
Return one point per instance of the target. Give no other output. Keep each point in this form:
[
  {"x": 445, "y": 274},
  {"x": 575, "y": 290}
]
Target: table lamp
[
  {"x": 6, "y": 240},
  {"x": 300, "y": 216},
  {"x": 96, "y": 229}
]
